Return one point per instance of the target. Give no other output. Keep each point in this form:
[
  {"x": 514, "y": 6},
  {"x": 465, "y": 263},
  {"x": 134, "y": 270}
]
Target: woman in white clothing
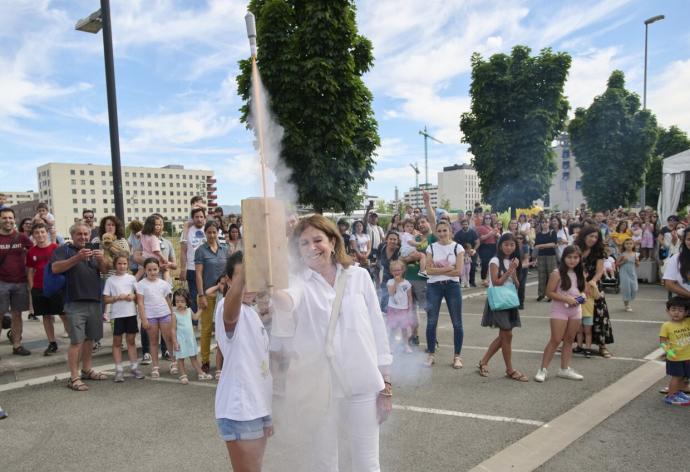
[{"x": 360, "y": 358}]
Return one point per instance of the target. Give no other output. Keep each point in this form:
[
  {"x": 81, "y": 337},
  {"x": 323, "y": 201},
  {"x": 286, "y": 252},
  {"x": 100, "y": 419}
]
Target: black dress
[{"x": 602, "y": 331}]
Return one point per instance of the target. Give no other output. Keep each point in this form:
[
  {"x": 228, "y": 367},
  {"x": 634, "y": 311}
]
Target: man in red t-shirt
[
  {"x": 36, "y": 259},
  {"x": 14, "y": 293}
]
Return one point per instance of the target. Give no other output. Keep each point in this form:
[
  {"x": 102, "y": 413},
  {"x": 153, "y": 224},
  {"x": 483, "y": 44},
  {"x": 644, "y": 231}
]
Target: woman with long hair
[
  {"x": 234, "y": 239},
  {"x": 504, "y": 269},
  {"x": 677, "y": 270},
  {"x": 595, "y": 311}
]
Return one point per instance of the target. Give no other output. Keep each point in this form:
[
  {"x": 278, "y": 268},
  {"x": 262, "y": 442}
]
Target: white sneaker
[
  {"x": 569, "y": 374},
  {"x": 541, "y": 375},
  {"x": 146, "y": 359}
]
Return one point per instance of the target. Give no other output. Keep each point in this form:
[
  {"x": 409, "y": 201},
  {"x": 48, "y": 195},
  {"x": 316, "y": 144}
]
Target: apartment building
[
  {"x": 15, "y": 198},
  {"x": 565, "y": 192},
  {"x": 70, "y": 188},
  {"x": 414, "y": 196},
  {"x": 459, "y": 184}
]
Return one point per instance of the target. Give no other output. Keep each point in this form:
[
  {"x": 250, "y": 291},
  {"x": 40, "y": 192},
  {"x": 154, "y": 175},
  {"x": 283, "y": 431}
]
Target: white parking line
[
  {"x": 462, "y": 414},
  {"x": 538, "y": 317},
  {"x": 530, "y": 351}
]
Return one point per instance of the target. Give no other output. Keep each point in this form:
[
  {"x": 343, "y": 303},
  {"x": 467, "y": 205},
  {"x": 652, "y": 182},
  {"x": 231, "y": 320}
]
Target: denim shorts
[
  {"x": 231, "y": 430},
  {"x": 587, "y": 321}
]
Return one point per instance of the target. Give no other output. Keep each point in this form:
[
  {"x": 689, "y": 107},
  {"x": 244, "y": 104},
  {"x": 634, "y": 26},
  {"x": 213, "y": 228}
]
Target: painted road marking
[
  {"x": 462, "y": 414},
  {"x": 538, "y": 317},
  {"x": 536, "y": 448},
  {"x": 531, "y": 351}
]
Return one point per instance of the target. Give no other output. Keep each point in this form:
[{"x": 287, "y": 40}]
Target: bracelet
[{"x": 383, "y": 393}]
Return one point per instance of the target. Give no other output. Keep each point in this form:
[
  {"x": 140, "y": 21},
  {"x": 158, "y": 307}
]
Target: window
[
  {"x": 91, "y": 182},
  {"x": 76, "y": 210},
  {"x": 93, "y": 191},
  {"x": 578, "y": 185},
  {"x": 566, "y": 153},
  {"x": 148, "y": 174},
  {"x": 566, "y": 175},
  {"x": 81, "y": 172},
  {"x": 102, "y": 173},
  {"x": 74, "y": 200},
  {"x": 93, "y": 201},
  {"x": 155, "y": 176},
  {"x": 105, "y": 201},
  {"x": 74, "y": 181},
  {"x": 90, "y": 172},
  {"x": 566, "y": 165},
  {"x": 126, "y": 174},
  {"x": 72, "y": 172},
  {"x": 74, "y": 191},
  {"x": 83, "y": 200},
  {"x": 83, "y": 191},
  {"x": 103, "y": 183},
  {"x": 83, "y": 182}
]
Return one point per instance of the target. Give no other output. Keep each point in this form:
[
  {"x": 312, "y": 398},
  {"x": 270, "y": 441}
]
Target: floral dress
[{"x": 602, "y": 331}]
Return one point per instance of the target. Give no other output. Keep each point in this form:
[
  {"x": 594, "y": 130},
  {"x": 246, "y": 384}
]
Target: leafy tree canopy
[
  {"x": 311, "y": 60},
  {"x": 518, "y": 108},
  {"x": 613, "y": 141}
]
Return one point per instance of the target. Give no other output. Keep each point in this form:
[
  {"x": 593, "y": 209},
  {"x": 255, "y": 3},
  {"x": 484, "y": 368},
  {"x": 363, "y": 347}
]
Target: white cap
[{"x": 251, "y": 31}]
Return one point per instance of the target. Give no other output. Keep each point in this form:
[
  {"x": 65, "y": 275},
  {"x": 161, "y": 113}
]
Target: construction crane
[
  {"x": 415, "y": 167},
  {"x": 426, "y": 154}
]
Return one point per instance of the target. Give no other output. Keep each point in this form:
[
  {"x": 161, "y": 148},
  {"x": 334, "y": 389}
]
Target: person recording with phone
[{"x": 82, "y": 266}]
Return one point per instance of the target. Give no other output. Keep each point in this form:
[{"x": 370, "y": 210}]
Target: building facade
[
  {"x": 565, "y": 192},
  {"x": 414, "y": 196},
  {"x": 68, "y": 189},
  {"x": 15, "y": 198},
  {"x": 459, "y": 184}
]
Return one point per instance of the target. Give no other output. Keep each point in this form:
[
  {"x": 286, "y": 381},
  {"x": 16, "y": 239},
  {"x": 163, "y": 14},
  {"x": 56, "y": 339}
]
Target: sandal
[
  {"x": 155, "y": 373},
  {"x": 173, "y": 369},
  {"x": 77, "y": 385},
  {"x": 517, "y": 375},
  {"x": 218, "y": 375},
  {"x": 603, "y": 352},
  {"x": 205, "y": 376},
  {"x": 93, "y": 375},
  {"x": 184, "y": 380},
  {"x": 482, "y": 368}
]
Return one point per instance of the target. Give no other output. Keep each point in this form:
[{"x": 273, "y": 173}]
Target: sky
[{"x": 176, "y": 63}]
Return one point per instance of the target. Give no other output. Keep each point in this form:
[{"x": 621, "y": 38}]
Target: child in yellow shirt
[{"x": 675, "y": 341}]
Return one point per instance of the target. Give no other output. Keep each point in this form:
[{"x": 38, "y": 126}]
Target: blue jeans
[{"x": 435, "y": 293}]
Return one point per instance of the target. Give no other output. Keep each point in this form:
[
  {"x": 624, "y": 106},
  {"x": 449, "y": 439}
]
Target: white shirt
[
  {"x": 672, "y": 272},
  {"x": 194, "y": 238},
  {"x": 245, "y": 386},
  {"x": 399, "y": 300},
  {"x": 506, "y": 265},
  {"x": 609, "y": 262},
  {"x": 360, "y": 341},
  {"x": 155, "y": 293},
  {"x": 362, "y": 242},
  {"x": 445, "y": 254},
  {"x": 376, "y": 235},
  {"x": 405, "y": 248},
  {"x": 117, "y": 285}
]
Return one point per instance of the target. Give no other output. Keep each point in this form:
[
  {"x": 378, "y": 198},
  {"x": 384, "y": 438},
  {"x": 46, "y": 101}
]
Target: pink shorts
[
  {"x": 565, "y": 314},
  {"x": 398, "y": 318},
  {"x": 167, "y": 319}
]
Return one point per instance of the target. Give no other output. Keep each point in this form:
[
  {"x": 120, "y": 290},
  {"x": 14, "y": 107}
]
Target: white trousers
[{"x": 355, "y": 416}]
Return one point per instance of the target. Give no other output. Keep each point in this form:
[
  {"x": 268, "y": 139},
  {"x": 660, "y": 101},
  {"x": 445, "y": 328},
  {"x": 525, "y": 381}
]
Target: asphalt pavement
[{"x": 444, "y": 419}]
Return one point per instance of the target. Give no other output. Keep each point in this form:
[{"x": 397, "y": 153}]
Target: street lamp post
[
  {"x": 93, "y": 24},
  {"x": 647, "y": 22}
]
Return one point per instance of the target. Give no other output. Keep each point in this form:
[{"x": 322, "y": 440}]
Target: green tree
[
  {"x": 311, "y": 60},
  {"x": 613, "y": 141},
  {"x": 445, "y": 204},
  {"x": 670, "y": 142},
  {"x": 518, "y": 108}
]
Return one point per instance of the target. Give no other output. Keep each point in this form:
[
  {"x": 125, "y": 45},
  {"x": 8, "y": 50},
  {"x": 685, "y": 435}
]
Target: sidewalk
[{"x": 34, "y": 339}]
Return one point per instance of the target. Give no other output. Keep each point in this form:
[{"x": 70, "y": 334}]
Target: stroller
[{"x": 611, "y": 284}]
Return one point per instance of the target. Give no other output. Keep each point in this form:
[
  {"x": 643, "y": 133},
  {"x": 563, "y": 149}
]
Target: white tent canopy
[{"x": 673, "y": 183}]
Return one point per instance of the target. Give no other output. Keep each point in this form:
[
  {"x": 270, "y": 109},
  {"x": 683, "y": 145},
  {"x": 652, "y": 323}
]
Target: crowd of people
[{"x": 358, "y": 292}]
